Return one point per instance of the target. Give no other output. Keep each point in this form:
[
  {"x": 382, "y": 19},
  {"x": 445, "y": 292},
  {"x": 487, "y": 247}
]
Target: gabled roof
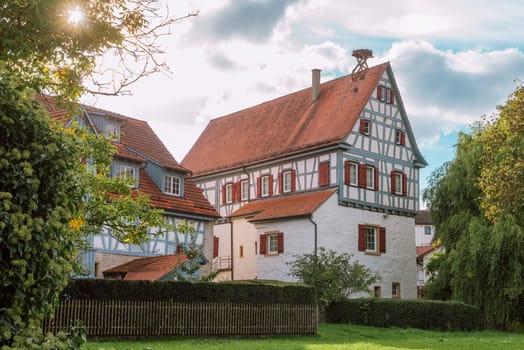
[
  {"x": 151, "y": 268},
  {"x": 284, "y": 126},
  {"x": 139, "y": 143},
  {"x": 297, "y": 205}
]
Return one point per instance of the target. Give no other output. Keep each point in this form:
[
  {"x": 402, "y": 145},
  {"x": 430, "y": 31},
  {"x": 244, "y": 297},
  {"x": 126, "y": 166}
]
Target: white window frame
[
  {"x": 353, "y": 174},
  {"x": 370, "y": 177},
  {"x": 371, "y": 239},
  {"x": 272, "y": 244},
  {"x": 244, "y": 190},
  {"x": 388, "y": 94},
  {"x": 172, "y": 185},
  {"x": 229, "y": 193},
  {"x": 128, "y": 171},
  {"x": 112, "y": 129},
  {"x": 427, "y": 230},
  {"x": 367, "y": 127},
  {"x": 264, "y": 186},
  {"x": 398, "y": 183},
  {"x": 286, "y": 179}
]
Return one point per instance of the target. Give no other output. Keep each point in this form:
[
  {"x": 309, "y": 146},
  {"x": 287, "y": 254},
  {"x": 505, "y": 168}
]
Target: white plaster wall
[
  {"x": 244, "y": 234},
  {"x": 338, "y": 230},
  {"x": 299, "y": 237},
  {"x": 421, "y": 238}
]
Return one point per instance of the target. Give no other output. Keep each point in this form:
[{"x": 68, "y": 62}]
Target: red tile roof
[
  {"x": 424, "y": 249},
  {"x": 150, "y": 268},
  {"x": 138, "y": 138},
  {"x": 284, "y": 206},
  {"x": 283, "y": 126}
]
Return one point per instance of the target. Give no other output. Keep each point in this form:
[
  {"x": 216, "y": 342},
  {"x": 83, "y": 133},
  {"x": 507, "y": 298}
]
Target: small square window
[
  {"x": 244, "y": 190},
  {"x": 367, "y": 127},
  {"x": 395, "y": 290},
  {"x": 128, "y": 172},
  {"x": 172, "y": 185},
  {"x": 398, "y": 137},
  {"x": 376, "y": 292},
  {"x": 427, "y": 230}
]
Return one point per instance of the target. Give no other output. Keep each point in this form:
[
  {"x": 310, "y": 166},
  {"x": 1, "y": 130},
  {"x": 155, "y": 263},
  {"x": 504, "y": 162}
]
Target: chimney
[{"x": 315, "y": 86}]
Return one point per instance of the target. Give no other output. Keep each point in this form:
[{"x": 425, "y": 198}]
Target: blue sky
[{"x": 454, "y": 61}]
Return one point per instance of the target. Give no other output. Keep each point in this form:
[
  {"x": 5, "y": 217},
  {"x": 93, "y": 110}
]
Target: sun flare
[{"x": 76, "y": 16}]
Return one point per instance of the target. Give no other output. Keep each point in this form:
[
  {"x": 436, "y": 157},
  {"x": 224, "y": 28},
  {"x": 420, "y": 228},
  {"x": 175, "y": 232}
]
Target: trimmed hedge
[
  {"x": 245, "y": 292},
  {"x": 423, "y": 314}
]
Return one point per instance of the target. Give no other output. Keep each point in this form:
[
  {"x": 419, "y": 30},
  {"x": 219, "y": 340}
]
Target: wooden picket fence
[{"x": 131, "y": 318}]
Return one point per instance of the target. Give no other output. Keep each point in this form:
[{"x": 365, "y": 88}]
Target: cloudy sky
[{"x": 454, "y": 61}]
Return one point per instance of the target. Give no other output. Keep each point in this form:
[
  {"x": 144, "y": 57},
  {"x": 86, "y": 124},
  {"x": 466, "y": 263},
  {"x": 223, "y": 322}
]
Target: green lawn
[{"x": 333, "y": 336}]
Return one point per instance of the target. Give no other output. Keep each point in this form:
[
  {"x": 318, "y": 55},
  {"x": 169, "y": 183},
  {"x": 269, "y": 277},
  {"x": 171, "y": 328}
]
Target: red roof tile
[
  {"x": 137, "y": 136},
  {"x": 283, "y": 126},
  {"x": 150, "y": 268},
  {"x": 284, "y": 206},
  {"x": 424, "y": 249}
]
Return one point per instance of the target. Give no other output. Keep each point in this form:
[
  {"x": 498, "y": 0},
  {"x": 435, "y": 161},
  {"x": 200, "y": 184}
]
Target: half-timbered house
[
  {"x": 142, "y": 156},
  {"x": 335, "y": 166}
]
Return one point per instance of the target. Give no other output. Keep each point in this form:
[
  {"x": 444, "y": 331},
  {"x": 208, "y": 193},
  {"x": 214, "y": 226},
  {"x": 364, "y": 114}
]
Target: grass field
[{"x": 335, "y": 337}]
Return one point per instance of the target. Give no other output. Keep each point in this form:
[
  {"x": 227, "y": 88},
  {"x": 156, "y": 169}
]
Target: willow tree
[
  {"x": 48, "y": 201},
  {"x": 481, "y": 229}
]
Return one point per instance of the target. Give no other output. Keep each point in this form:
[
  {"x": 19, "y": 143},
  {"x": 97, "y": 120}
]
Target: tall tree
[
  {"x": 48, "y": 199},
  {"x": 482, "y": 233}
]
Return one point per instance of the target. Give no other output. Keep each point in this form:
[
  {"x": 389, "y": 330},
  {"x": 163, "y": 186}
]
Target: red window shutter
[
  {"x": 382, "y": 239},
  {"x": 376, "y": 184},
  {"x": 238, "y": 191},
  {"x": 361, "y": 238},
  {"x": 404, "y": 184},
  {"x": 223, "y": 194},
  {"x": 392, "y": 97},
  {"x": 280, "y": 182},
  {"x": 323, "y": 174},
  {"x": 347, "y": 180},
  {"x": 259, "y": 187},
  {"x": 363, "y": 124},
  {"x": 270, "y": 185},
  {"x": 215, "y": 246},
  {"x": 293, "y": 180},
  {"x": 179, "y": 248},
  {"x": 393, "y": 183},
  {"x": 280, "y": 241},
  {"x": 379, "y": 93},
  {"x": 362, "y": 175},
  {"x": 402, "y": 138},
  {"x": 263, "y": 244}
]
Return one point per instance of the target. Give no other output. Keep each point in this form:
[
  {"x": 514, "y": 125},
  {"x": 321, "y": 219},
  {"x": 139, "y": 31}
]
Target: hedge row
[
  {"x": 423, "y": 314},
  {"x": 255, "y": 293}
]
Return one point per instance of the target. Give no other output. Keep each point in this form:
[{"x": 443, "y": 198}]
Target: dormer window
[
  {"x": 172, "y": 185},
  {"x": 112, "y": 129},
  {"x": 129, "y": 171}
]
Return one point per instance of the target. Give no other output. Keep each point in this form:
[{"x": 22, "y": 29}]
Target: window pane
[
  {"x": 353, "y": 173},
  {"x": 370, "y": 177},
  {"x": 272, "y": 244},
  {"x": 398, "y": 183},
  {"x": 370, "y": 238},
  {"x": 245, "y": 190},
  {"x": 229, "y": 193},
  {"x": 265, "y": 186},
  {"x": 287, "y": 181}
]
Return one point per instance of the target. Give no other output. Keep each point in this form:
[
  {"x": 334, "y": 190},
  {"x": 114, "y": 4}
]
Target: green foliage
[
  {"x": 476, "y": 205},
  {"x": 49, "y": 52},
  {"x": 241, "y": 292},
  {"x": 38, "y": 197},
  {"x": 436, "y": 315},
  {"x": 502, "y": 176},
  {"x": 333, "y": 275}
]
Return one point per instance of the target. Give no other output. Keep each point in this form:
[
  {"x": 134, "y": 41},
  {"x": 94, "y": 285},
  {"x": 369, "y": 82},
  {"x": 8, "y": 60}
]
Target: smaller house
[{"x": 426, "y": 247}]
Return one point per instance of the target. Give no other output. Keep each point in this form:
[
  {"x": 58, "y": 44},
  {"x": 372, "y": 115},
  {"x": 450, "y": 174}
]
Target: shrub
[
  {"x": 422, "y": 314},
  {"x": 244, "y": 292}
]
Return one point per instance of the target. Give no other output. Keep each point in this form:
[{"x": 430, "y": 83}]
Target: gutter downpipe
[
  {"x": 232, "y": 257},
  {"x": 315, "y": 224}
]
